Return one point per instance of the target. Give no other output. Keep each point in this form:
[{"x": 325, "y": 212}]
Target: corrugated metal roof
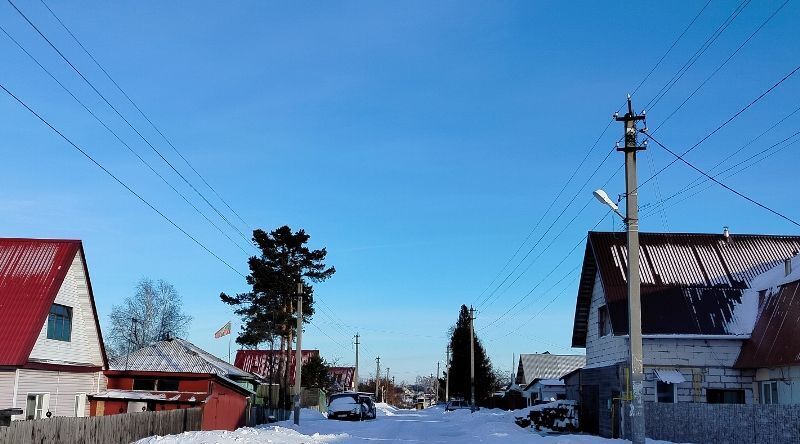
[
  {"x": 546, "y": 366},
  {"x": 691, "y": 283},
  {"x": 31, "y": 273},
  {"x": 776, "y": 336},
  {"x": 177, "y": 356},
  {"x": 258, "y": 361}
]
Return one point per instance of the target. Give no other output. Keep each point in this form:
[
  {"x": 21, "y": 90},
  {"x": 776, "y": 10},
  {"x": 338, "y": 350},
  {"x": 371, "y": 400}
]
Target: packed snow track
[{"x": 432, "y": 425}]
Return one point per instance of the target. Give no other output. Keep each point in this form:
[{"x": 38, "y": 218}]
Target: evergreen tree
[
  {"x": 485, "y": 381},
  {"x": 314, "y": 373},
  {"x": 268, "y": 310}
]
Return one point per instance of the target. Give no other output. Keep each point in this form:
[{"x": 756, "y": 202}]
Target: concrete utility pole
[
  {"x": 634, "y": 302},
  {"x": 472, "y": 357},
  {"x": 298, "y": 354},
  {"x": 447, "y": 377},
  {"x": 437, "y": 382},
  {"x": 355, "y": 374},
  {"x": 386, "y": 384},
  {"x": 377, "y": 377}
]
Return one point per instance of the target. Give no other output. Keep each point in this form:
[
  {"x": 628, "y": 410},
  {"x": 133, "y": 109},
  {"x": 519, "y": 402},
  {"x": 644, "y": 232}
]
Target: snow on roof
[
  {"x": 776, "y": 276},
  {"x": 550, "y": 382},
  {"x": 670, "y": 375},
  {"x": 546, "y": 366},
  {"x": 178, "y": 356}
]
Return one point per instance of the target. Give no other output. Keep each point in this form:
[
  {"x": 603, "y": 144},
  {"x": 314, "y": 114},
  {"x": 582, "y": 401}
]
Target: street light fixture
[{"x": 602, "y": 196}]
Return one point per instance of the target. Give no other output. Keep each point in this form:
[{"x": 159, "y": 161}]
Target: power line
[
  {"x": 91, "y": 56},
  {"x": 751, "y": 200},
  {"x": 118, "y": 180},
  {"x": 91, "y": 85},
  {"x": 138, "y": 156},
  {"x": 724, "y": 124}
]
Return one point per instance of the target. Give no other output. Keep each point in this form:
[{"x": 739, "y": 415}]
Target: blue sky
[{"x": 419, "y": 142}]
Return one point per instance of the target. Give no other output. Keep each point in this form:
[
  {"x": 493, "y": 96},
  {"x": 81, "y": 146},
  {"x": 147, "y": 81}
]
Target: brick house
[
  {"x": 51, "y": 352},
  {"x": 696, "y": 315}
]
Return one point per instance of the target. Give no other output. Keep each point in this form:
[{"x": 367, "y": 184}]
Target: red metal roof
[
  {"x": 776, "y": 337},
  {"x": 258, "y": 362},
  {"x": 691, "y": 283},
  {"x": 31, "y": 273}
]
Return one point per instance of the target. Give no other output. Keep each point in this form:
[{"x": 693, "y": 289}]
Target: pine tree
[{"x": 485, "y": 381}]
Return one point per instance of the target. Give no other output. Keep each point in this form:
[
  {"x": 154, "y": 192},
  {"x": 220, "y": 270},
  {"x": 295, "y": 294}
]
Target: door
[{"x": 590, "y": 409}]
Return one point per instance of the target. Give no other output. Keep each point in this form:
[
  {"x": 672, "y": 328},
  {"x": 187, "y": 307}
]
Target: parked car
[
  {"x": 352, "y": 405},
  {"x": 458, "y": 405}
]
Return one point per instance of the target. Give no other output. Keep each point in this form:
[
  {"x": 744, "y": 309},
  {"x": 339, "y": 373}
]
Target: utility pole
[
  {"x": 298, "y": 354},
  {"x": 472, "y": 357},
  {"x": 377, "y": 377},
  {"x": 355, "y": 374},
  {"x": 437, "y": 383},
  {"x": 386, "y": 384},
  {"x": 634, "y": 298},
  {"x": 447, "y": 377}
]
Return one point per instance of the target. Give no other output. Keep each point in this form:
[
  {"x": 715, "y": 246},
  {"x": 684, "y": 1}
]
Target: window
[
  {"x": 603, "y": 321},
  {"x": 144, "y": 384},
  {"x": 80, "y": 405},
  {"x": 718, "y": 396},
  {"x": 59, "y": 323},
  {"x": 37, "y": 405},
  {"x": 769, "y": 392},
  {"x": 666, "y": 392},
  {"x": 167, "y": 385}
]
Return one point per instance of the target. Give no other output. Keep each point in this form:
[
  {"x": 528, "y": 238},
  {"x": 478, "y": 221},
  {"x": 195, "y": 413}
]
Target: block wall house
[
  {"x": 773, "y": 350},
  {"x": 51, "y": 352},
  {"x": 176, "y": 374},
  {"x": 696, "y": 315}
]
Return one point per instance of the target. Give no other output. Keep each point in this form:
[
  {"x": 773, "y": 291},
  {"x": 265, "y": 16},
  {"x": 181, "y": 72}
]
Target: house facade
[
  {"x": 175, "y": 374},
  {"x": 773, "y": 350},
  {"x": 696, "y": 316},
  {"x": 51, "y": 354}
]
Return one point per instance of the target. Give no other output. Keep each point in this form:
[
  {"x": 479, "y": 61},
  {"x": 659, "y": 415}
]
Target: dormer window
[{"x": 59, "y": 323}]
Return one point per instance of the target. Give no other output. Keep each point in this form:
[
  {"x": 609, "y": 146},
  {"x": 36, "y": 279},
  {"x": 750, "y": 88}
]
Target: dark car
[
  {"x": 458, "y": 405},
  {"x": 352, "y": 405}
]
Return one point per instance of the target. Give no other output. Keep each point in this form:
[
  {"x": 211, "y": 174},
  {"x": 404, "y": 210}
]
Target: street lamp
[{"x": 602, "y": 196}]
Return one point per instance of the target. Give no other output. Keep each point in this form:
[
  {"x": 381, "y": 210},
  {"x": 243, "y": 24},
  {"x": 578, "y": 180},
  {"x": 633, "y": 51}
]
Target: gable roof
[
  {"x": 776, "y": 336},
  {"x": 177, "y": 356},
  {"x": 546, "y": 366},
  {"x": 31, "y": 274},
  {"x": 691, "y": 283},
  {"x": 258, "y": 361}
]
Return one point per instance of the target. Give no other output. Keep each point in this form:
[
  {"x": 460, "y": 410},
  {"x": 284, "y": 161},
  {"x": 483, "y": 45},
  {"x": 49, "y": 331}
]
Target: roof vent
[
  {"x": 726, "y": 234},
  {"x": 787, "y": 267}
]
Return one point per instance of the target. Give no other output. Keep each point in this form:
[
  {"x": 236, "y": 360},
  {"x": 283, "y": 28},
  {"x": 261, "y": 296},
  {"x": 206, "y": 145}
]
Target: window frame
[
  {"x": 603, "y": 321},
  {"x": 59, "y": 325},
  {"x": 674, "y": 392},
  {"x": 773, "y": 391},
  {"x": 135, "y": 380},
  {"x": 740, "y": 394}
]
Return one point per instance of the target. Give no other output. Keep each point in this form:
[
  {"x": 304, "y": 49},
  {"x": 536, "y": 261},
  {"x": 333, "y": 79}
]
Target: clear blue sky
[{"x": 418, "y": 141}]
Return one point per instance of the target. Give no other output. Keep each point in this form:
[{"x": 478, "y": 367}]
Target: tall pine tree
[{"x": 485, "y": 380}]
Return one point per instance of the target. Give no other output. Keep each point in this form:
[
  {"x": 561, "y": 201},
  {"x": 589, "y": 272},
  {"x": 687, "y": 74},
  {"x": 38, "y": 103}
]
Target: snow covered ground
[{"x": 432, "y": 425}]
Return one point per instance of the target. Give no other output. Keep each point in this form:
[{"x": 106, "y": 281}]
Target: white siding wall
[
  {"x": 7, "y": 388},
  {"x": 62, "y": 387},
  {"x": 602, "y": 350},
  {"x": 84, "y": 346}
]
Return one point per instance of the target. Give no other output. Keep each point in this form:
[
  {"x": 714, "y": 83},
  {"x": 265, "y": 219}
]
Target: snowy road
[{"x": 392, "y": 426}]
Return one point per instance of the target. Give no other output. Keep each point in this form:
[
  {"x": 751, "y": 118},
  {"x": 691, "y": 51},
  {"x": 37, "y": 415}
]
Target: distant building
[
  {"x": 342, "y": 378},
  {"x": 546, "y": 366},
  {"x": 51, "y": 348},
  {"x": 176, "y": 374},
  {"x": 696, "y": 314},
  {"x": 264, "y": 363},
  {"x": 544, "y": 390}
]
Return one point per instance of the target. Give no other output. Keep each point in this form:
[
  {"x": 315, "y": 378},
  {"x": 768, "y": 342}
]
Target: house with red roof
[{"x": 51, "y": 347}]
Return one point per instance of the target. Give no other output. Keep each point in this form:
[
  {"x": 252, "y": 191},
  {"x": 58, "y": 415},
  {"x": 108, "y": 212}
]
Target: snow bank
[{"x": 245, "y": 435}]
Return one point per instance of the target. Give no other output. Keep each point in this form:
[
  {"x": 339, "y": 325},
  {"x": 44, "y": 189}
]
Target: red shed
[{"x": 176, "y": 374}]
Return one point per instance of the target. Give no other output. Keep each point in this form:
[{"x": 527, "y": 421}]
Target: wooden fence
[{"x": 113, "y": 429}]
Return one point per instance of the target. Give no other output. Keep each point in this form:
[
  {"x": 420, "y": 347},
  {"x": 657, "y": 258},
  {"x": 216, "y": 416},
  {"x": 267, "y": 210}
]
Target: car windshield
[{"x": 343, "y": 403}]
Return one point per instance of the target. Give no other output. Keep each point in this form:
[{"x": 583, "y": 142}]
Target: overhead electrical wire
[
  {"x": 114, "y": 133},
  {"x": 135, "y": 105},
  {"x": 713, "y": 179},
  {"x": 103, "y": 97},
  {"x": 118, "y": 180}
]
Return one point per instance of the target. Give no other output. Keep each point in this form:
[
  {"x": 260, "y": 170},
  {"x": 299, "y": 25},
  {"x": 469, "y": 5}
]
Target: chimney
[
  {"x": 726, "y": 234},
  {"x": 787, "y": 267}
]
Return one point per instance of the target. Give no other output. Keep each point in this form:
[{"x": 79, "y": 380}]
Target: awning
[{"x": 670, "y": 376}]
